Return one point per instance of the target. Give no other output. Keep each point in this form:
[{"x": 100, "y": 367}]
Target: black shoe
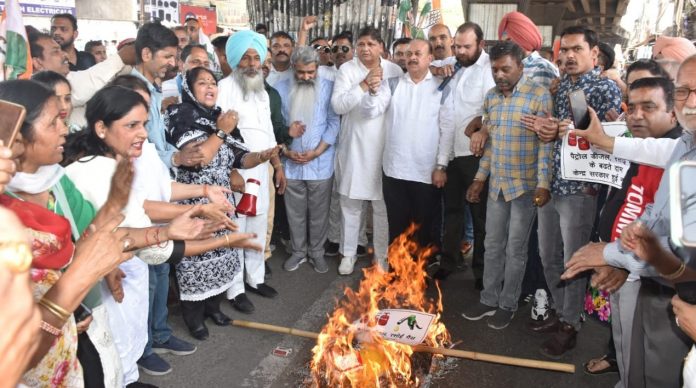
[
  {"x": 263, "y": 290},
  {"x": 242, "y": 304},
  {"x": 478, "y": 285},
  {"x": 268, "y": 273},
  {"x": 442, "y": 274},
  {"x": 138, "y": 384},
  {"x": 361, "y": 251},
  {"x": 331, "y": 248},
  {"x": 200, "y": 333},
  {"x": 219, "y": 318}
]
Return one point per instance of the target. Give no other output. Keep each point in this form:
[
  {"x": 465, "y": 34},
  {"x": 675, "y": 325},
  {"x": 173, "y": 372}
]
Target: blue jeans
[
  {"x": 565, "y": 225},
  {"x": 158, "y": 329},
  {"x": 507, "y": 233}
]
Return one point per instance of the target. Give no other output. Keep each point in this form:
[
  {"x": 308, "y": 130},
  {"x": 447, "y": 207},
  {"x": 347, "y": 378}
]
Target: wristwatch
[
  {"x": 221, "y": 134},
  {"x": 441, "y": 167}
]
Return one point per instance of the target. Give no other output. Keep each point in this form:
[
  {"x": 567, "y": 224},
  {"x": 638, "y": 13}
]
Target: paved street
[{"x": 238, "y": 357}]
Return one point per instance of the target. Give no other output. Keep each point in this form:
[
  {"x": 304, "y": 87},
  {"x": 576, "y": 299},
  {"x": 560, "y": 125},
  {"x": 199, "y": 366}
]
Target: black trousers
[
  {"x": 194, "y": 312},
  {"x": 410, "y": 202},
  {"x": 88, "y": 356},
  {"x": 460, "y": 174}
]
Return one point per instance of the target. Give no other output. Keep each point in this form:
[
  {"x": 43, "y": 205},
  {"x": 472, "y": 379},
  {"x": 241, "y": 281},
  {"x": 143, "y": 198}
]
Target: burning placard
[
  {"x": 404, "y": 326},
  {"x": 369, "y": 336}
]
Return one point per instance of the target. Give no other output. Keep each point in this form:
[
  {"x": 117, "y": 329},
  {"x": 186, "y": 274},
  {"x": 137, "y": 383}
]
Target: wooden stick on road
[{"x": 494, "y": 358}]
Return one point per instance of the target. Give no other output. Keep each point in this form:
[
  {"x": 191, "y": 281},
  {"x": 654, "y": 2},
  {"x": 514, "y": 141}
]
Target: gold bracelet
[
  {"x": 227, "y": 238},
  {"x": 48, "y": 328},
  {"x": 53, "y": 308},
  {"x": 15, "y": 255},
  {"x": 679, "y": 272}
]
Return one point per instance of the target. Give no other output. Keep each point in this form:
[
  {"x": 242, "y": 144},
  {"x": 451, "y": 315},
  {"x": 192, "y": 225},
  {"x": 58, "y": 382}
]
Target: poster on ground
[
  {"x": 401, "y": 325},
  {"x": 582, "y": 162}
]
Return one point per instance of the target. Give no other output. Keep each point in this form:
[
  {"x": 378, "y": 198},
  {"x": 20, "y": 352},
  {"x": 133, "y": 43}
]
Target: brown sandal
[{"x": 613, "y": 366}]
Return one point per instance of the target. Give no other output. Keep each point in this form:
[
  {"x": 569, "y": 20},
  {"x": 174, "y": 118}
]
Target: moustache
[
  {"x": 439, "y": 47},
  {"x": 281, "y": 53},
  {"x": 570, "y": 63},
  {"x": 412, "y": 62}
]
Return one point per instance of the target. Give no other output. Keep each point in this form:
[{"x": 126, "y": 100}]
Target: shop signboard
[{"x": 45, "y": 8}]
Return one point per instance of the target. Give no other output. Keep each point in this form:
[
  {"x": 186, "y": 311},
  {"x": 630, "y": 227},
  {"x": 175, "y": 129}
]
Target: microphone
[{"x": 448, "y": 79}]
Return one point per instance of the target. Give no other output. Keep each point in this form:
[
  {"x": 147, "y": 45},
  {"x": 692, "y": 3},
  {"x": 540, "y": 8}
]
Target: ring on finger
[
  {"x": 676, "y": 320},
  {"x": 126, "y": 245}
]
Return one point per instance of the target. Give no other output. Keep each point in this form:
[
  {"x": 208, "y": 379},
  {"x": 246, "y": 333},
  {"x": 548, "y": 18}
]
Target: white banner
[
  {"x": 404, "y": 326},
  {"x": 582, "y": 162},
  {"x": 44, "y": 7}
]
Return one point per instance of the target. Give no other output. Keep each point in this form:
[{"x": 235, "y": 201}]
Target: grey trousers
[
  {"x": 623, "y": 306},
  {"x": 307, "y": 207},
  {"x": 334, "y": 234},
  {"x": 658, "y": 346},
  {"x": 508, "y": 225},
  {"x": 565, "y": 224}
]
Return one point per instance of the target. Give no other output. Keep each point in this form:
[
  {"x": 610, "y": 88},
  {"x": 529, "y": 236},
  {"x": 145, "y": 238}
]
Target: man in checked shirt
[{"x": 516, "y": 164}]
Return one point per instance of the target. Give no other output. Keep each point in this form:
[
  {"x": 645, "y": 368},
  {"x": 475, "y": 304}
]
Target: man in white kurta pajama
[
  {"x": 256, "y": 128},
  {"x": 360, "y": 147}
]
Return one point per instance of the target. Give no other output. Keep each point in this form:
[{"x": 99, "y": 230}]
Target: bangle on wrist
[
  {"x": 227, "y": 238},
  {"x": 676, "y": 274},
  {"x": 54, "y": 309},
  {"x": 50, "y": 329},
  {"x": 174, "y": 163}
]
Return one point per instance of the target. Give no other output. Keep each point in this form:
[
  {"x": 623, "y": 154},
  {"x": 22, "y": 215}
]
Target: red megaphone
[{"x": 247, "y": 205}]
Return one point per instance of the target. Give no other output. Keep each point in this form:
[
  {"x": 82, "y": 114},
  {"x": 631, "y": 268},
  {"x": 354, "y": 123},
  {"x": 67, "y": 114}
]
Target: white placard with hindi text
[
  {"x": 582, "y": 162},
  {"x": 400, "y": 325}
]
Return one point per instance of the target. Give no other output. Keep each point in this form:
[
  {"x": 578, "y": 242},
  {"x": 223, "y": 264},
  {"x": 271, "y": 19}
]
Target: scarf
[
  {"x": 51, "y": 243},
  {"x": 42, "y": 180},
  {"x": 189, "y": 115}
]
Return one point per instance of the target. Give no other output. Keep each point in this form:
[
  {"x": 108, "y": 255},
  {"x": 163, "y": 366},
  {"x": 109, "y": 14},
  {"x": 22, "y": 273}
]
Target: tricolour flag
[{"x": 14, "y": 45}]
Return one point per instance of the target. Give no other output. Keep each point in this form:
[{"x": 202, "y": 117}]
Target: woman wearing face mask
[
  {"x": 198, "y": 122},
  {"x": 40, "y": 195}
]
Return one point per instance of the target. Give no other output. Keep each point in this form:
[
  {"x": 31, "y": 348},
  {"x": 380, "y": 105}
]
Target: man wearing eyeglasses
[{"x": 321, "y": 46}]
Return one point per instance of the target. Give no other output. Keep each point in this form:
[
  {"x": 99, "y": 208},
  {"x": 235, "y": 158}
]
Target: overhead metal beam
[
  {"x": 621, "y": 7},
  {"x": 571, "y": 5},
  {"x": 586, "y": 8},
  {"x": 602, "y": 9}
]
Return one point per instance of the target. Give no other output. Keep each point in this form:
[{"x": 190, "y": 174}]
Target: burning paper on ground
[{"x": 367, "y": 341}]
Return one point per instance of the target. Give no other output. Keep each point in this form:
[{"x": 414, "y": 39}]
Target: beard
[
  {"x": 250, "y": 80},
  {"x": 302, "y": 97},
  {"x": 467, "y": 61}
]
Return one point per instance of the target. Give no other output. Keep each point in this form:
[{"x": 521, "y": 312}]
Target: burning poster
[{"x": 582, "y": 162}]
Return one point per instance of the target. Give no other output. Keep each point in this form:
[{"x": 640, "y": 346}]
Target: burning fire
[{"x": 350, "y": 351}]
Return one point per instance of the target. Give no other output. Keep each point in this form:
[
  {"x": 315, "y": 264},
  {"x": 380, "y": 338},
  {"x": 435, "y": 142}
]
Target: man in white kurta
[
  {"x": 240, "y": 91},
  {"x": 360, "y": 146}
]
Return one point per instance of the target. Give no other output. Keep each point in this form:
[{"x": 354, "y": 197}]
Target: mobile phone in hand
[
  {"x": 578, "y": 107},
  {"x": 12, "y": 119},
  {"x": 82, "y": 312}
]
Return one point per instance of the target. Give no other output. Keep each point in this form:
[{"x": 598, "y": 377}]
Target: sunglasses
[
  {"x": 325, "y": 49},
  {"x": 335, "y": 49}
]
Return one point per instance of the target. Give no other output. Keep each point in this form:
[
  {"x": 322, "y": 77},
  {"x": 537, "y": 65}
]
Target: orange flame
[{"x": 347, "y": 357}]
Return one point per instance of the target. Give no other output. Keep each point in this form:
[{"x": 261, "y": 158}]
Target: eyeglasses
[
  {"x": 325, "y": 49},
  {"x": 682, "y": 93},
  {"x": 335, "y": 49}
]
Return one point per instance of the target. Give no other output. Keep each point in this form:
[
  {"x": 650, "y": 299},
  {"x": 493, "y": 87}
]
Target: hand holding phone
[
  {"x": 12, "y": 119},
  {"x": 578, "y": 107}
]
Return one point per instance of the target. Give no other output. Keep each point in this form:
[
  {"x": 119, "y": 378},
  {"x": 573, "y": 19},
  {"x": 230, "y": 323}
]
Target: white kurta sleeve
[
  {"x": 374, "y": 106},
  {"x": 650, "y": 151},
  {"x": 445, "y": 147},
  {"x": 345, "y": 95}
]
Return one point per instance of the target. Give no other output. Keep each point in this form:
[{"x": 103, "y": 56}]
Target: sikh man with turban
[
  {"x": 517, "y": 27},
  {"x": 243, "y": 90}
]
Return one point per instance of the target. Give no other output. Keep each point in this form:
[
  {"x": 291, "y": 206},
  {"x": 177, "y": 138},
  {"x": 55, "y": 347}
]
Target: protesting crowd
[{"x": 182, "y": 162}]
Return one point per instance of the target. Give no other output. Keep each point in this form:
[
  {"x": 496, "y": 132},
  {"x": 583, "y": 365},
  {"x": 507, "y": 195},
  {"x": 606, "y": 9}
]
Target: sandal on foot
[{"x": 612, "y": 368}]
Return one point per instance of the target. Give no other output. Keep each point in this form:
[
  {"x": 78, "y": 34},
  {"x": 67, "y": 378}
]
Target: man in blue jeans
[
  {"x": 516, "y": 164},
  {"x": 155, "y": 48}
]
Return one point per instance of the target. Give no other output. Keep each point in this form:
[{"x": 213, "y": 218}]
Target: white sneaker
[
  {"x": 540, "y": 308},
  {"x": 347, "y": 264},
  {"x": 382, "y": 264}
]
